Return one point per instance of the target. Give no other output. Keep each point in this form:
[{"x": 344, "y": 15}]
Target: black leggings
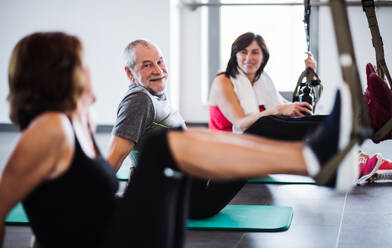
[
  {"x": 285, "y": 127},
  {"x": 207, "y": 198},
  {"x": 153, "y": 211}
]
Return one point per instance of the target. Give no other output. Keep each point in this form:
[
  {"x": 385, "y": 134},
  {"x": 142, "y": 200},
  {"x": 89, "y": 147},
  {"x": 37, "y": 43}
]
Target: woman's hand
[
  {"x": 294, "y": 109},
  {"x": 310, "y": 62}
]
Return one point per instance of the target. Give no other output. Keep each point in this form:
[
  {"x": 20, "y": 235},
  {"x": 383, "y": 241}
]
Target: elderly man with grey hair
[
  {"x": 145, "y": 105},
  {"x": 144, "y": 109}
]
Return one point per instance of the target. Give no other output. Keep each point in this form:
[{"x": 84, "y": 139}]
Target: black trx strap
[
  {"x": 382, "y": 69},
  {"x": 307, "y": 10},
  {"x": 361, "y": 130},
  {"x": 313, "y": 82},
  {"x": 349, "y": 67}
]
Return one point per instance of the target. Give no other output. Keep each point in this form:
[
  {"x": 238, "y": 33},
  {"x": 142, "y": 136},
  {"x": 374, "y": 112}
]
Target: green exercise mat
[
  {"x": 123, "y": 172},
  {"x": 246, "y": 218},
  {"x": 17, "y": 215},
  {"x": 283, "y": 179},
  {"x": 232, "y": 217}
]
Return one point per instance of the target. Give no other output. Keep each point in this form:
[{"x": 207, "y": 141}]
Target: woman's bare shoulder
[
  {"x": 222, "y": 81},
  {"x": 222, "y": 87},
  {"x": 51, "y": 125},
  {"x": 47, "y": 144},
  {"x": 222, "y": 78}
]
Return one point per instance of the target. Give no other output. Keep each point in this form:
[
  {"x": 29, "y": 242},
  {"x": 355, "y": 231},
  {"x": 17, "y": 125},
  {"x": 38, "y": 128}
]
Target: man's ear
[{"x": 129, "y": 74}]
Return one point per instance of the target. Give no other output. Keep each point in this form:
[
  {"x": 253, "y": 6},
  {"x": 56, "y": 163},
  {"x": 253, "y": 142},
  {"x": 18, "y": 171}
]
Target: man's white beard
[{"x": 154, "y": 93}]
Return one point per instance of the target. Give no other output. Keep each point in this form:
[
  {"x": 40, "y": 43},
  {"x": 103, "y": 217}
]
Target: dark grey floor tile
[
  {"x": 366, "y": 230},
  {"x": 213, "y": 239},
  {"x": 367, "y": 220},
  {"x": 370, "y": 198},
  {"x": 296, "y": 237},
  {"x": 312, "y": 205},
  {"x": 255, "y": 194},
  {"x": 17, "y": 236}
]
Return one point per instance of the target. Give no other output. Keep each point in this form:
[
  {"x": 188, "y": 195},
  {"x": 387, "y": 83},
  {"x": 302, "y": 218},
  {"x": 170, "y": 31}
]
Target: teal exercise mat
[
  {"x": 17, "y": 215},
  {"x": 283, "y": 179},
  {"x": 246, "y": 218},
  {"x": 123, "y": 172},
  {"x": 232, "y": 217}
]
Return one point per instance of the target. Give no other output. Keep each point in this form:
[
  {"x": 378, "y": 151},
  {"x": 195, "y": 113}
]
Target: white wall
[
  {"x": 191, "y": 70},
  {"x": 105, "y": 27}
]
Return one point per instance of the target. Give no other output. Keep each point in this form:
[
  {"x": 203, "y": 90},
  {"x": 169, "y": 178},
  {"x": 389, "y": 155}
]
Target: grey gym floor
[{"x": 322, "y": 218}]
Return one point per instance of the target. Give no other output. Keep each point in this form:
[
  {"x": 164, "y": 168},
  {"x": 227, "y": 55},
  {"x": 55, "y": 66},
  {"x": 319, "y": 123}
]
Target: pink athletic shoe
[
  {"x": 384, "y": 172},
  {"x": 368, "y": 167},
  {"x": 385, "y": 165}
]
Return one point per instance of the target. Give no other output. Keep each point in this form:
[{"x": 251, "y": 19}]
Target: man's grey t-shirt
[{"x": 139, "y": 109}]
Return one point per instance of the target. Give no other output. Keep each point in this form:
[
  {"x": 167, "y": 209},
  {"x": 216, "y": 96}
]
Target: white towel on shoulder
[{"x": 263, "y": 92}]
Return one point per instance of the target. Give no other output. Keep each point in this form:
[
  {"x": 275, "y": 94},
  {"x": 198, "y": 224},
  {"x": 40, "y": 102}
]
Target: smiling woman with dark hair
[
  {"x": 239, "y": 45},
  {"x": 245, "y": 92}
]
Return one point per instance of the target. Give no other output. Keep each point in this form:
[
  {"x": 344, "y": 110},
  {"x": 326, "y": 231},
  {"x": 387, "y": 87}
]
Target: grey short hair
[{"x": 129, "y": 51}]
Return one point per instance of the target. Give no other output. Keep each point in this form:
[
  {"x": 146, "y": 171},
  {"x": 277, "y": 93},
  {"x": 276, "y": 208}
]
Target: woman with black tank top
[{"x": 69, "y": 191}]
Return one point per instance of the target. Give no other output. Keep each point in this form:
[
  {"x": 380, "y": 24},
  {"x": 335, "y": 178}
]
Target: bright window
[{"x": 281, "y": 27}]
